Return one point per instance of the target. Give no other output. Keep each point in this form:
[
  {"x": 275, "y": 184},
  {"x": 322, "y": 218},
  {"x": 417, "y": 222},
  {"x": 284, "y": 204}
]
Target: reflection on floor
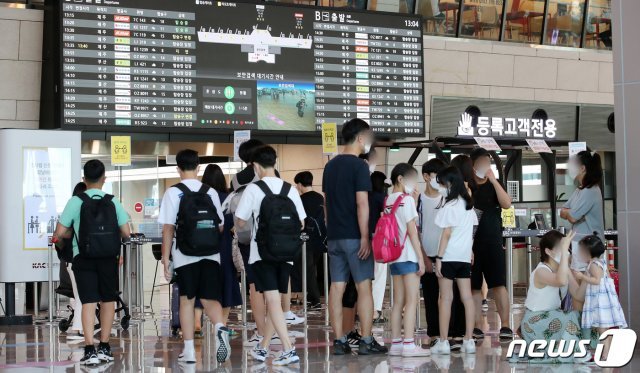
[{"x": 149, "y": 346}]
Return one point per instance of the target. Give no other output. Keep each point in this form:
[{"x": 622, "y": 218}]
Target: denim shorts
[
  {"x": 343, "y": 259},
  {"x": 403, "y": 268}
]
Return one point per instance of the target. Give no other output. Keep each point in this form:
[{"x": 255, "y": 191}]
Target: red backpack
[{"x": 387, "y": 246}]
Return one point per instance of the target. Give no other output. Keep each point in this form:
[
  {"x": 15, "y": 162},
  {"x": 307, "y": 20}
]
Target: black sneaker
[
  {"x": 478, "y": 333},
  {"x": 379, "y": 320},
  {"x": 506, "y": 333},
  {"x": 104, "y": 352},
  {"x": 341, "y": 348},
  {"x": 371, "y": 348},
  {"x": 90, "y": 356},
  {"x": 433, "y": 342},
  {"x": 354, "y": 338}
]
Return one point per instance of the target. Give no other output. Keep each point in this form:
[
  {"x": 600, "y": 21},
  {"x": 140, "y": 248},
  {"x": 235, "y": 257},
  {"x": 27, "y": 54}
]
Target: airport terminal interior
[{"x": 516, "y": 94}]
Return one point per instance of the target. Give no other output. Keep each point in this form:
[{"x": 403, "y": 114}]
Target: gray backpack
[{"x": 242, "y": 234}]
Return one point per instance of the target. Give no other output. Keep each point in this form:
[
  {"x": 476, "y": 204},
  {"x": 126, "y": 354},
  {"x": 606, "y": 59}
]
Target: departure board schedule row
[
  {"x": 128, "y": 67},
  {"x": 202, "y": 66}
]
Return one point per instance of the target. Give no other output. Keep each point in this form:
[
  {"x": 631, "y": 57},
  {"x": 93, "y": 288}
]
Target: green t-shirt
[{"x": 71, "y": 214}]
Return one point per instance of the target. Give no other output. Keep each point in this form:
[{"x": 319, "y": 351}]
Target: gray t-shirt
[{"x": 585, "y": 206}]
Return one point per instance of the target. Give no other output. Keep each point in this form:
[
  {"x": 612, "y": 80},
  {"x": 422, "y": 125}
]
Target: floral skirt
[{"x": 552, "y": 325}]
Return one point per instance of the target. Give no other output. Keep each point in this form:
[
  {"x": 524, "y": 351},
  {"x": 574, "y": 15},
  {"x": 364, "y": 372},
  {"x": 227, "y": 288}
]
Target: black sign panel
[{"x": 204, "y": 65}]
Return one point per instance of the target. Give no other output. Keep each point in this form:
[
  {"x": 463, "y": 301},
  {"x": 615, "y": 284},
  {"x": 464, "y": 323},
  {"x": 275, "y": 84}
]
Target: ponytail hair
[
  {"x": 452, "y": 177},
  {"x": 593, "y": 168}
]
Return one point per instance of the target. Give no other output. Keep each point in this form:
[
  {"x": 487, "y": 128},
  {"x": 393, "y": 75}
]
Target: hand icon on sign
[{"x": 464, "y": 125}]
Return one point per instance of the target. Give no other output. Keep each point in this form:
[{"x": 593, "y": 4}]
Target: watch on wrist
[{"x": 438, "y": 257}]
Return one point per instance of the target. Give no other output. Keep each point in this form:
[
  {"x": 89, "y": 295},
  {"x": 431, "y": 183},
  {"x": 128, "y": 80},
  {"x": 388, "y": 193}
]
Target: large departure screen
[{"x": 204, "y": 65}]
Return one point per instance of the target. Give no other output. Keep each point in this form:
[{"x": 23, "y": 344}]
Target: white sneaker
[
  {"x": 413, "y": 350},
  {"x": 259, "y": 353},
  {"x": 441, "y": 348},
  {"x": 187, "y": 357},
  {"x": 286, "y": 358},
  {"x": 396, "y": 349},
  {"x": 292, "y": 319},
  {"x": 254, "y": 340},
  {"x": 224, "y": 349},
  {"x": 75, "y": 336},
  {"x": 468, "y": 346}
]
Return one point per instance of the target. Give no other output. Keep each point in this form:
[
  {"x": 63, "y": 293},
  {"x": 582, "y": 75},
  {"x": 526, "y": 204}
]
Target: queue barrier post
[
  {"x": 510, "y": 277},
  {"x": 325, "y": 261},
  {"x": 243, "y": 285},
  {"x": 304, "y": 238}
]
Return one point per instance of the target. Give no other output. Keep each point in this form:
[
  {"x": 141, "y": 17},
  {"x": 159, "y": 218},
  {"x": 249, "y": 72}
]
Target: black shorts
[
  {"x": 488, "y": 263},
  {"x": 455, "y": 270},
  {"x": 96, "y": 279},
  {"x": 270, "y": 276},
  {"x": 201, "y": 280}
]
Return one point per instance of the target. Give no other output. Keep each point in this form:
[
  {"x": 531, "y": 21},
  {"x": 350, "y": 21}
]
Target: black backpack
[
  {"x": 316, "y": 229},
  {"x": 279, "y": 226},
  {"x": 197, "y": 232},
  {"x": 99, "y": 235},
  {"x": 64, "y": 248}
]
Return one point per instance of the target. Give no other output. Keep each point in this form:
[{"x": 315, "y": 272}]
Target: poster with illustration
[{"x": 46, "y": 188}]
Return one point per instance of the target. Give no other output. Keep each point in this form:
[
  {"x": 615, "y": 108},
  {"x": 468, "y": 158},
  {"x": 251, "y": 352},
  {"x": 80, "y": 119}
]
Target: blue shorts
[
  {"x": 343, "y": 260},
  {"x": 403, "y": 268}
]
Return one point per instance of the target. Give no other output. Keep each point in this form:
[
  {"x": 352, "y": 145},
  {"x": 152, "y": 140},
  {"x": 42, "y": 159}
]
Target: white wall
[{"x": 20, "y": 63}]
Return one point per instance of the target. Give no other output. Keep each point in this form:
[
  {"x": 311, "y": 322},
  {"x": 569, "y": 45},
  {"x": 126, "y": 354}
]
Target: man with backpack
[
  {"x": 278, "y": 216},
  {"x": 346, "y": 185},
  {"x": 99, "y": 223},
  {"x": 190, "y": 211},
  {"x": 315, "y": 228}
]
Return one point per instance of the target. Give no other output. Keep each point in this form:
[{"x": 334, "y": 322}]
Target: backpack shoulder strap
[
  {"x": 183, "y": 188},
  {"x": 84, "y": 197},
  {"x": 286, "y": 187},
  {"x": 107, "y": 197},
  {"x": 204, "y": 189},
  {"x": 264, "y": 187},
  {"x": 397, "y": 203}
]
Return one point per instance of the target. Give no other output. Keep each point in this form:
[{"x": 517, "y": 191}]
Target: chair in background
[{"x": 489, "y": 20}]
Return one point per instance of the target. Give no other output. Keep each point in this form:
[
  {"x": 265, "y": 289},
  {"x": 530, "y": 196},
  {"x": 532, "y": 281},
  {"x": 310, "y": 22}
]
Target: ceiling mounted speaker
[
  {"x": 611, "y": 123},
  {"x": 540, "y": 114},
  {"x": 475, "y": 112}
]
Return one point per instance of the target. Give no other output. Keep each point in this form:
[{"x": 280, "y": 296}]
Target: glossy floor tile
[{"x": 147, "y": 346}]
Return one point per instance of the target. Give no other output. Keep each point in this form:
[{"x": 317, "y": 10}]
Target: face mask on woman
[
  {"x": 372, "y": 167},
  {"x": 443, "y": 191},
  {"x": 573, "y": 170},
  {"x": 481, "y": 173},
  {"x": 557, "y": 257},
  {"x": 409, "y": 188}
]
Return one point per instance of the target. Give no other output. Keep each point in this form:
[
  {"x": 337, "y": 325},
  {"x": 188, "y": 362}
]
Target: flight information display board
[{"x": 204, "y": 65}]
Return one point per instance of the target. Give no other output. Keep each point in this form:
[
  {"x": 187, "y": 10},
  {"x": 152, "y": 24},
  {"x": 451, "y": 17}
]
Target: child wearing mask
[
  {"x": 457, "y": 218},
  {"x": 409, "y": 267}
]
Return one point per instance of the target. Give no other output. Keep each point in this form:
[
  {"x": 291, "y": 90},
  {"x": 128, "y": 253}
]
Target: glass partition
[
  {"x": 598, "y": 26},
  {"x": 393, "y": 6},
  {"x": 523, "y": 21},
  {"x": 481, "y": 20},
  {"x": 353, "y": 4},
  {"x": 564, "y": 23},
  {"x": 440, "y": 17}
]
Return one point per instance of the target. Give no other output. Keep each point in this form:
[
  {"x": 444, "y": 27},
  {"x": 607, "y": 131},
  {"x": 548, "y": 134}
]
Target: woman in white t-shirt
[
  {"x": 409, "y": 267},
  {"x": 457, "y": 218}
]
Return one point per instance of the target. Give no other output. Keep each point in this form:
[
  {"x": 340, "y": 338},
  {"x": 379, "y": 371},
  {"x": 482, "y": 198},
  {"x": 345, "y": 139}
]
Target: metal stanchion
[
  {"x": 50, "y": 281},
  {"x": 510, "y": 277},
  {"x": 304, "y": 274},
  {"x": 127, "y": 261},
  {"x": 36, "y": 301},
  {"x": 243, "y": 285},
  {"x": 418, "y": 322},
  {"x": 139, "y": 280},
  {"x": 325, "y": 260},
  {"x": 390, "y": 288}
]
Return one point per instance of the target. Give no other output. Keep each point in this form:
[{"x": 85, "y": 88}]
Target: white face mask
[
  {"x": 367, "y": 148},
  {"x": 372, "y": 167},
  {"x": 443, "y": 191},
  {"x": 481, "y": 173},
  {"x": 434, "y": 184},
  {"x": 573, "y": 170},
  {"x": 556, "y": 258},
  {"x": 409, "y": 188}
]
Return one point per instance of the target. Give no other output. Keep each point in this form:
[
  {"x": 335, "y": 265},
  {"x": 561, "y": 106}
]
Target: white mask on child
[
  {"x": 443, "y": 191},
  {"x": 434, "y": 184},
  {"x": 557, "y": 258},
  {"x": 409, "y": 188},
  {"x": 372, "y": 167}
]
